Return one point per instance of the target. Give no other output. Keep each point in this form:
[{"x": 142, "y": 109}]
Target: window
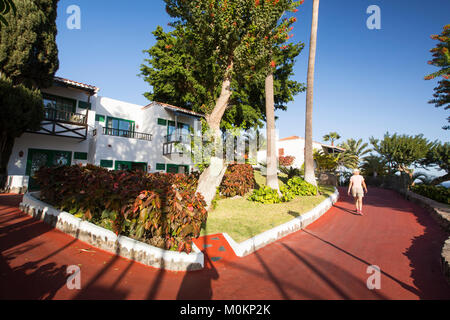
[
  {"x": 281, "y": 152},
  {"x": 59, "y": 103},
  {"x": 162, "y": 122},
  {"x": 80, "y": 156},
  {"x": 106, "y": 163},
  {"x": 160, "y": 167},
  {"x": 100, "y": 118},
  {"x": 120, "y": 127},
  {"x": 84, "y": 105}
]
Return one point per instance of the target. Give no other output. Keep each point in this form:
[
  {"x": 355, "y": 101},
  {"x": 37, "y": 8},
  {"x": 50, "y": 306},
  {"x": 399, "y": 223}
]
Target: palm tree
[
  {"x": 309, "y": 158},
  {"x": 272, "y": 165},
  {"x": 374, "y": 166},
  {"x": 356, "y": 148},
  {"x": 332, "y": 136}
]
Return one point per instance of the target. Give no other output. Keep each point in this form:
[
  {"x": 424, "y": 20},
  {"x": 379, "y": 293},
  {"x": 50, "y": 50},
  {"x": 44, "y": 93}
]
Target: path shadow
[{"x": 31, "y": 281}]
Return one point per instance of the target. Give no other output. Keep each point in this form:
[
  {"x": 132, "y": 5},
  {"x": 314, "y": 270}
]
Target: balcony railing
[
  {"x": 178, "y": 136},
  {"x": 127, "y": 134},
  {"x": 65, "y": 116}
]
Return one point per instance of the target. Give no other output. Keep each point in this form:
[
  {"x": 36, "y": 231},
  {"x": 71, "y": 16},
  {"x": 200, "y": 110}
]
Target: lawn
[{"x": 243, "y": 219}]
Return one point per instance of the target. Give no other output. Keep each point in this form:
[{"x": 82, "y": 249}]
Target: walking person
[{"x": 357, "y": 187}]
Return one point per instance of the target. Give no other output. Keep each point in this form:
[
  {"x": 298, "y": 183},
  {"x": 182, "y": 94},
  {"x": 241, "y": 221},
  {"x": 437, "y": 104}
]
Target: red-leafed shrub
[
  {"x": 161, "y": 209},
  {"x": 238, "y": 180},
  {"x": 286, "y": 161}
]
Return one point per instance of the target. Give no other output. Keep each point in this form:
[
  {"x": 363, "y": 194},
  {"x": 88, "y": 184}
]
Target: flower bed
[{"x": 162, "y": 210}]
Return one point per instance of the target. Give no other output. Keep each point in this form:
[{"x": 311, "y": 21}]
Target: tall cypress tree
[
  {"x": 28, "y": 60},
  {"x": 28, "y": 50}
]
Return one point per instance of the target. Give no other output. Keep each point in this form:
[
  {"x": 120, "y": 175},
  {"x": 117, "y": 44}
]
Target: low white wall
[{"x": 109, "y": 241}]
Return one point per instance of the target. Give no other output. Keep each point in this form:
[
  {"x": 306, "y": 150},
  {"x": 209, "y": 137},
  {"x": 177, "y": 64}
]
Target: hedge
[
  {"x": 437, "y": 193},
  {"x": 238, "y": 180},
  {"x": 163, "y": 210}
]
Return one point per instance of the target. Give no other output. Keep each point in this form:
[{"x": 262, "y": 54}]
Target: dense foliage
[
  {"x": 294, "y": 187},
  {"x": 161, "y": 209},
  {"x": 21, "y": 109},
  {"x": 301, "y": 188},
  {"x": 437, "y": 193},
  {"x": 28, "y": 50},
  {"x": 238, "y": 180},
  {"x": 286, "y": 161}
]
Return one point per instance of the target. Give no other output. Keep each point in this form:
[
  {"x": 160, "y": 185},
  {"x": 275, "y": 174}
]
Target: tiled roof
[
  {"x": 77, "y": 84},
  {"x": 175, "y": 108}
]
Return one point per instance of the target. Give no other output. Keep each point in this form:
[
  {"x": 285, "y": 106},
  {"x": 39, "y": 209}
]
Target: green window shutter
[
  {"x": 84, "y": 105},
  {"x": 80, "y": 156},
  {"x": 162, "y": 122},
  {"x": 160, "y": 167},
  {"x": 106, "y": 163},
  {"x": 100, "y": 118}
]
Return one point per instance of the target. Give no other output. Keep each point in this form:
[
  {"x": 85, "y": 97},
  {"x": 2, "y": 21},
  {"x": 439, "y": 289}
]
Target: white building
[
  {"x": 81, "y": 127},
  {"x": 295, "y": 146}
]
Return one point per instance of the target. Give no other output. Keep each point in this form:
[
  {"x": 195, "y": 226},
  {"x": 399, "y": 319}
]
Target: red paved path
[{"x": 328, "y": 260}]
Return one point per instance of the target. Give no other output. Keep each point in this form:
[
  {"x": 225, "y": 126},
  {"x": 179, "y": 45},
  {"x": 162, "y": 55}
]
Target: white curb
[
  {"x": 109, "y": 241},
  {"x": 261, "y": 240}
]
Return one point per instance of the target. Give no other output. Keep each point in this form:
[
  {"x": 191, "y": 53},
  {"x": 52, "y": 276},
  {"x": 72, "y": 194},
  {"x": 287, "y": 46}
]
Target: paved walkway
[{"x": 328, "y": 260}]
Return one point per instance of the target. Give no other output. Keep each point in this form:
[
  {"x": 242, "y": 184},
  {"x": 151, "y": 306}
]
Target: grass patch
[{"x": 243, "y": 219}]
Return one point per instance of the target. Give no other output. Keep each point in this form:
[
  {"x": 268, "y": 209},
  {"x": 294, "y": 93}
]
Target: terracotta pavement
[{"x": 327, "y": 260}]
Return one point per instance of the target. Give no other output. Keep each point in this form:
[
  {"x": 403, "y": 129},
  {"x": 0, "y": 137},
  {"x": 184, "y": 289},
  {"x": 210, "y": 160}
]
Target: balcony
[
  {"x": 127, "y": 134},
  {"x": 65, "y": 116},
  {"x": 177, "y": 142},
  {"x": 62, "y": 123}
]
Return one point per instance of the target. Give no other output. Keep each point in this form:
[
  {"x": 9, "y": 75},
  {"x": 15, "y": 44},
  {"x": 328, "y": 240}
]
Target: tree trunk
[
  {"x": 309, "y": 159},
  {"x": 212, "y": 177},
  {"x": 439, "y": 180},
  {"x": 272, "y": 168},
  {"x": 7, "y": 144}
]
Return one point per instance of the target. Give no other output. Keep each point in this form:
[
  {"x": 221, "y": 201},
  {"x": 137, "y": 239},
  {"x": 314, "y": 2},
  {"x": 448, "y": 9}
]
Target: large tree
[
  {"x": 21, "y": 109},
  {"x": 439, "y": 157},
  {"x": 28, "y": 50},
  {"x": 402, "y": 152},
  {"x": 28, "y": 59},
  {"x": 441, "y": 59},
  {"x": 219, "y": 34},
  {"x": 309, "y": 158}
]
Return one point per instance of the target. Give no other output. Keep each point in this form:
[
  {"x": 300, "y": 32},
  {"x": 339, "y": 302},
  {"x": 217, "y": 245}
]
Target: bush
[
  {"x": 265, "y": 195},
  {"x": 300, "y": 187},
  {"x": 286, "y": 161},
  {"x": 238, "y": 180},
  {"x": 161, "y": 209},
  {"x": 437, "y": 193}
]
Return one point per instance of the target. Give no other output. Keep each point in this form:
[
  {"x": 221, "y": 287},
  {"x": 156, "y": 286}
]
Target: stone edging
[
  {"x": 261, "y": 240},
  {"x": 441, "y": 213},
  {"x": 109, "y": 241}
]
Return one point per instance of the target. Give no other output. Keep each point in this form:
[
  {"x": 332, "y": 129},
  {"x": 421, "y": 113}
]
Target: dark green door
[
  {"x": 133, "y": 166},
  {"x": 45, "y": 158},
  {"x": 175, "y": 168}
]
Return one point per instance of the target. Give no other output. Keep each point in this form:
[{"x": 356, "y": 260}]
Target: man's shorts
[{"x": 357, "y": 193}]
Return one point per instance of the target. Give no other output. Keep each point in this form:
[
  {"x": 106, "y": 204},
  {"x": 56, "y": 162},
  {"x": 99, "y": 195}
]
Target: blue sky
[{"x": 368, "y": 82}]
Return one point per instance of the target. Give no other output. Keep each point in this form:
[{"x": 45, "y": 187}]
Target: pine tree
[
  {"x": 28, "y": 51},
  {"x": 441, "y": 59}
]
